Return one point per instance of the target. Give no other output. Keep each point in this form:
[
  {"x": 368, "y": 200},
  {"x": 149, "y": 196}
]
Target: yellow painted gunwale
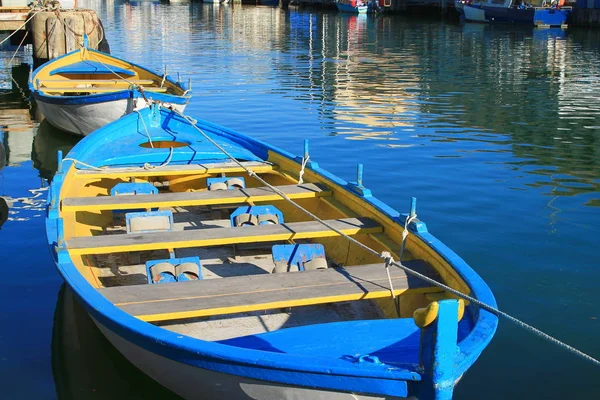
[{"x": 120, "y": 82}]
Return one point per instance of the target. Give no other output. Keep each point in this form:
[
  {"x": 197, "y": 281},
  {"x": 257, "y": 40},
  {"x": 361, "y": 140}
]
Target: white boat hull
[
  {"x": 191, "y": 382},
  {"x": 82, "y": 119},
  {"x": 474, "y": 14}
]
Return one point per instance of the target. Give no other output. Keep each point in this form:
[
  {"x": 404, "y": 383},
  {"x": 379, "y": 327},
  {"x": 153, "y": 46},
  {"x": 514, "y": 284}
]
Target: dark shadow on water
[
  {"x": 46, "y": 144},
  {"x": 86, "y": 366}
]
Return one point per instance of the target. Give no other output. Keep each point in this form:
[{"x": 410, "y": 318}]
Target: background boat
[
  {"x": 516, "y": 11},
  {"x": 86, "y": 89}
]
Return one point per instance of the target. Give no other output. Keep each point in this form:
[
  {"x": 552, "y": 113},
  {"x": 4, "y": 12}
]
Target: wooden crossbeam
[
  {"x": 119, "y": 82},
  {"x": 168, "y": 301},
  {"x": 217, "y": 236},
  {"x": 204, "y": 198},
  {"x": 258, "y": 167},
  {"x": 97, "y": 89}
]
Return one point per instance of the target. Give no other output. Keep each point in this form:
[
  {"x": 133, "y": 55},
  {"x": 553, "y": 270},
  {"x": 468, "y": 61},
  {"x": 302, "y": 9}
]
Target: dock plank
[
  {"x": 204, "y": 198},
  {"x": 161, "y": 302},
  {"x": 217, "y": 236}
]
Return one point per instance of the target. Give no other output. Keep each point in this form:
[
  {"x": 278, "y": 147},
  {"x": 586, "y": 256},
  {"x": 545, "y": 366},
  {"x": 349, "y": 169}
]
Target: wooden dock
[{"x": 12, "y": 18}]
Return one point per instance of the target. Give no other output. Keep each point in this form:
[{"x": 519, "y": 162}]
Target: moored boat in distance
[
  {"x": 542, "y": 13},
  {"x": 224, "y": 267},
  {"x": 352, "y": 6},
  {"x": 85, "y": 89}
]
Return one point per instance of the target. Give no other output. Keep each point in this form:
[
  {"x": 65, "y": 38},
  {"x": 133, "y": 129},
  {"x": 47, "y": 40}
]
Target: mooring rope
[
  {"x": 398, "y": 264},
  {"x": 18, "y": 48},
  {"x": 19, "y": 28},
  {"x": 145, "y": 128}
]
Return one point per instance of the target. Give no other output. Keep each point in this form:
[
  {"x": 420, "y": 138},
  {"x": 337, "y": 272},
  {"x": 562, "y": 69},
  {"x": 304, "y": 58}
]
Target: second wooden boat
[
  {"x": 86, "y": 89},
  {"x": 185, "y": 243}
]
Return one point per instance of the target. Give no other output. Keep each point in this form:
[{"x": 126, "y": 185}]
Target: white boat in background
[
  {"x": 538, "y": 12},
  {"x": 86, "y": 89}
]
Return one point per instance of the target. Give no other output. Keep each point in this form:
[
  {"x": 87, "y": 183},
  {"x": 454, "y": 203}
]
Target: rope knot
[{"x": 387, "y": 257}]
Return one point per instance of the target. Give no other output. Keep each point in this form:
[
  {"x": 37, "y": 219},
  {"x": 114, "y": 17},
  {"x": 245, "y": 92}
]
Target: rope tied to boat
[
  {"x": 485, "y": 306},
  {"x": 387, "y": 256},
  {"x": 301, "y": 173},
  {"x": 75, "y": 161},
  {"x": 405, "y": 233}
]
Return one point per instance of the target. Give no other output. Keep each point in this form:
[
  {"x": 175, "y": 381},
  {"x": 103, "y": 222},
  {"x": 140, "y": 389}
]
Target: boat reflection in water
[
  {"x": 86, "y": 366},
  {"x": 46, "y": 144}
]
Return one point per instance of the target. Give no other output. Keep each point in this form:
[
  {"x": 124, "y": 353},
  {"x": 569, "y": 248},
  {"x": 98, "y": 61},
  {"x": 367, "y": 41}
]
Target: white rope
[
  {"x": 145, "y": 128},
  {"x": 387, "y": 256},
  {"x": 399, "y": 264},
  {"x": 168, "y": 160},
  {"x": 405, "y": 233},
  {"x": 84, "y": 164},
  {"x": 18, "y": 48},
  {"x": 301, "y": 173},
  {"x": 19, "y": 28}
]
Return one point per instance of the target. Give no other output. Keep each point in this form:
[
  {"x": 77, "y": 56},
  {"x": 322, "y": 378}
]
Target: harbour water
[{"x": 495, "y": 129}]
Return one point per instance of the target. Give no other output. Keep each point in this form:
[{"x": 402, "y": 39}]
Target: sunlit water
[{"x": 496, "y": 131}]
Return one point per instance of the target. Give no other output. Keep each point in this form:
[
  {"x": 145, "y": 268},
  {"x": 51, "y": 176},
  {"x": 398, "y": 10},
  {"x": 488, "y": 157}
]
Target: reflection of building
[{"x": 16, "y": 127}]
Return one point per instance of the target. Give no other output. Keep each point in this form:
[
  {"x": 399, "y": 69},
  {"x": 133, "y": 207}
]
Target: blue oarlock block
[
  {"x": 127, "y": 188},
  {"x": 175, "y": 262},
  {"x": 133, "y": 188},
  {"x": 297, "y": 254},
  {"x": 229, "y": 181},
  {"x": 256, "y": 211},
  {"x": 158, "y": 217}
]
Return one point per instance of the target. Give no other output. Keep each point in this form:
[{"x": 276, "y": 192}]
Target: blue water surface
[{"x": 495, "y": 129}]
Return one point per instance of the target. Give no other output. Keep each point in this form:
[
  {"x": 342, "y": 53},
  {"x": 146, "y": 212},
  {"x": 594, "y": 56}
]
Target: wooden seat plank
[
  {"x": 217, "y": 197},
  {"x": 230, "y": 295},
  {"x": 97, "y": 89},
  {"x": 175, "y": 170},
  {"x": 46, "y": 82},
  {"x": 217, "y": 236}
]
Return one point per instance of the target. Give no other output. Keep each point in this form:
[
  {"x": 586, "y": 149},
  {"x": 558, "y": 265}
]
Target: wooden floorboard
[
  {"x": 217, "y": 197},
  {"x": 160, "y": 302},
  {"x": 217, "y": 236},
  {"x": 173, "y": 170}
]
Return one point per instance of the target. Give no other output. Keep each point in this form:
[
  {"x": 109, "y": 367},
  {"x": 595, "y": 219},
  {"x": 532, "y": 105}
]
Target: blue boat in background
[
  {"x": 550, "y": 14},
  {"x": 194, "y": 250}
]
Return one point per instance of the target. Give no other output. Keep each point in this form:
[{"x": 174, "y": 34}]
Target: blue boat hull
[{"x": 306, "y": 362}]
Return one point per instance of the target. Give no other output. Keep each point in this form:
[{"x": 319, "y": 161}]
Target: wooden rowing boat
[
  {"x": 195, "y": 267},
  {"x": 86, "y": 89}
]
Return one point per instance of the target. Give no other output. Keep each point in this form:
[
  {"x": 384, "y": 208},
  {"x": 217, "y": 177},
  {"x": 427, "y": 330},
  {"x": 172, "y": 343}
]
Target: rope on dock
[
  {"x": 399, "y": 264},
  {"x": 18, "y": 48},
  {"x": 21, "y": 27}
]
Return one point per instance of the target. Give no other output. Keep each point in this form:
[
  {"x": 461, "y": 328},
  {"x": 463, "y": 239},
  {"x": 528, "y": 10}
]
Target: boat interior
[
  {"x": 206, "y": 250},
  {"x": 90, "y": 72}
]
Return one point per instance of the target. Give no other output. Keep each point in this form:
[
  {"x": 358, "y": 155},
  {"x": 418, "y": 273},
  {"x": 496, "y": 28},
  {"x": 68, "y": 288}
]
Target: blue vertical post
[
  {"x": 438, "y": 353},
  {"x": 413, "y": 207},
  {"x": 59, "y": 158},
  {"x": 305, "y": 149},
  {"x": 359, "y": 175}
]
